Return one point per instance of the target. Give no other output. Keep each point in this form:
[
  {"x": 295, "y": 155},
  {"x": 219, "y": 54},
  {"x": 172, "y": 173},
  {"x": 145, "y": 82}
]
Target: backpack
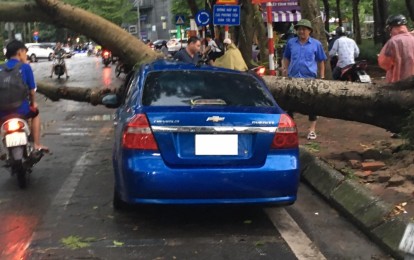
[{"x": 13, "y": 90}]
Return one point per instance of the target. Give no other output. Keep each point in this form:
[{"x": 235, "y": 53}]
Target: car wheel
[
  {"x": 118, "y": 203},
  {"x": 33, "y": 58}
]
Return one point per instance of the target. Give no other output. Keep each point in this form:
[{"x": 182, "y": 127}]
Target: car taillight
[
  {"x": 261, "y": 71},
  {"x": 286, "y": 134},
  {"x": 138, "y": 134},
  {"x": 106, "y": 54},
  {"x": 13, "y": 126}
]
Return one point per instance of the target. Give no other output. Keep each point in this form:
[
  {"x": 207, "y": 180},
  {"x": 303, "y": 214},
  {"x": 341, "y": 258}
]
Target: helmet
[
  {"x": 340, "y": 31},
  {"x": 396, "y": 20},
  {"x": 304, "y": 23}
]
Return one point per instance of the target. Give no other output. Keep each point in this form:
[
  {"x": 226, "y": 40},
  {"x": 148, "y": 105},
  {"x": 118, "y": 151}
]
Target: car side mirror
[{"x": 111, "y": 101}]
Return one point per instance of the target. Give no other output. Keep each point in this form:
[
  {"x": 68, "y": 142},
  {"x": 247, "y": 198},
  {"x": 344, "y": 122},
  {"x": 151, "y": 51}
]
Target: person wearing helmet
[
  {"x": 397, "y": 55},
  {"x": 346, "y": 49},
  {"x": 301, "y": 58}
]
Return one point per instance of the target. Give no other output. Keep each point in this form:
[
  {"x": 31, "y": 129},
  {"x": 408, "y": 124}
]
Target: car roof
[{"x": 165, "y": 65}]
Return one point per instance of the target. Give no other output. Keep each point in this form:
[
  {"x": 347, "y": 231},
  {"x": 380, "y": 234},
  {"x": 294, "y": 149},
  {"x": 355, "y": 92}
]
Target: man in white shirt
[
  {"x": 346, "y": 49},
  {"x": 212, "y": 50}
]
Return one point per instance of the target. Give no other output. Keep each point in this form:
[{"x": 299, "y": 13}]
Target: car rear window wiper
[{"x": 208, "y": 102}]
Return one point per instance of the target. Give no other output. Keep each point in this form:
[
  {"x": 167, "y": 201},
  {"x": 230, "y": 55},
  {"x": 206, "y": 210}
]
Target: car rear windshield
[{"x": 193, "y": 88}]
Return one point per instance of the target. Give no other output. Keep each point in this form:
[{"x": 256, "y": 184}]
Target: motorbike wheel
[{"x": 20, "y": 171}]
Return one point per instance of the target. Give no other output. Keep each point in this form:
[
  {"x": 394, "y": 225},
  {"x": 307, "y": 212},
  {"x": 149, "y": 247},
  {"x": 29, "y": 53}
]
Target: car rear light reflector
[
  {"x": 286, "y": 134},
  {"x": 138, "y": 134}
]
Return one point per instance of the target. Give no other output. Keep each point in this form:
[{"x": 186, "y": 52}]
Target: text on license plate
[
  {"x": 16, "y": 139},
  {"x": 365, "y": 78},
  {"x": 216, "y": 145}
]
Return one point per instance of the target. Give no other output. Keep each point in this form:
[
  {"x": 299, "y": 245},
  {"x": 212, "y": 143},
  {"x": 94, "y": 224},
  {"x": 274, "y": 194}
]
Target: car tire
[
  {"x": 118, "y": 203},
  {"x": 33, "y": 58}
]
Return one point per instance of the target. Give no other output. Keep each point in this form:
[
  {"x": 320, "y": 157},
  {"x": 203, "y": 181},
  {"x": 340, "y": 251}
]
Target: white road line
[{"x": 298, "y": 241}]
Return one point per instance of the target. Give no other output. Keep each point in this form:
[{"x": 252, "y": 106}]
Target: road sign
[
  {"x": 227, "y": 2},
  {"x": 9, "y": 27},
  {"x": 202, "y": 18},
  {"x": 36, "y": 38},
  {"x": 179, "y": 20},
  {"x": 226, "y": 15}
]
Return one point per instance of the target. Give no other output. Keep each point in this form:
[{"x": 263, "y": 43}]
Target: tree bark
[
  {"x": 380, "y": 17},
  {"x": 246, "y": 31},
  {"x": 385, "y": 106},
  {"x": 261, "y": 33},
  {"x": 193, "y": 7},
  {"x": 410, "y": 7},
  {"x": 355, "y": 20},
  {"x": 122, "y": 44},
  {"x": 22, "y": 12},
  {"x": 338, "y": 12},
  {"x": 310, "y": 10},
  {"x": 327, "y": 14}
]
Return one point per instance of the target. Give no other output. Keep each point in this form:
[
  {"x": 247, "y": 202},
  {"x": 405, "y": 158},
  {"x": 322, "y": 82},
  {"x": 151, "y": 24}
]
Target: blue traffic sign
[
  {"x": 202, "y": 18},
  {"x": 179, "y": 20},
  {"x": 226, "y": 15},
  {"x": 35, "y": 38}
]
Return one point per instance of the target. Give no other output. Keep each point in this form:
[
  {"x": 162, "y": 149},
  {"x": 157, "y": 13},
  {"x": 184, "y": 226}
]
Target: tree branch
[{"x": 22, "y": 12}]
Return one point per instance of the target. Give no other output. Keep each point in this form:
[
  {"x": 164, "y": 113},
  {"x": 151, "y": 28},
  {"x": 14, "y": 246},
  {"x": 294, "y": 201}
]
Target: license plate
[
  {"x": 407, "y": 242},
  {"x": 216, "y": 144},
  {"x": 16, "y": 139},
  {"x": 365, "y": 78}
]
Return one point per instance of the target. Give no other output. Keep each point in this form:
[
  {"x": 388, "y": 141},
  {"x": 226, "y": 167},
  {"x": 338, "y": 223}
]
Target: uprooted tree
[{"x": 385, "y": 106}]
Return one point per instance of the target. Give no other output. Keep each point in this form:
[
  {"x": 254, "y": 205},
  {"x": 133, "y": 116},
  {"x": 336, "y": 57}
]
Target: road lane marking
[{"x": 298, "y": 241}]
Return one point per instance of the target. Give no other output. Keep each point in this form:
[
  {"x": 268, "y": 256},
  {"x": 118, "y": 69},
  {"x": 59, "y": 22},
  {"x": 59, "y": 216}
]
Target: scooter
[
  {"x": 356, "y": 73},
  {"x": 59, "y": 67},
  {"x": 106, "y": 58},
  {"x": 18, "y": 145}
]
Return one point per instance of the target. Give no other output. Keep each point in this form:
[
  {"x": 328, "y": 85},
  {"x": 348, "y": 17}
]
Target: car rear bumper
[{"x": 144, "y": 178}]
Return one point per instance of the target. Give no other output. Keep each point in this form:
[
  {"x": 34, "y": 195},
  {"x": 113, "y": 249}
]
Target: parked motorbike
[
  {"x": 106, "y": 58},
  {"x": 18, "y": 145},
  {"x": 356, "y": 73},
  {"x": 59, "y": 65}
]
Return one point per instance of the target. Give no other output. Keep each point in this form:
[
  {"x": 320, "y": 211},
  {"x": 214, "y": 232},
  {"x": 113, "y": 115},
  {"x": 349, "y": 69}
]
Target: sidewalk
[{"x": 373, "y": 183}]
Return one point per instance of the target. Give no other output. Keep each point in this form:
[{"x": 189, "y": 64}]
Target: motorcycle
[
  {"x": 106, "y": 58},
  {"x": 355, "y": 73},
  {"x": 59, "y": 65},
  {"x": 20, "y": 153}
]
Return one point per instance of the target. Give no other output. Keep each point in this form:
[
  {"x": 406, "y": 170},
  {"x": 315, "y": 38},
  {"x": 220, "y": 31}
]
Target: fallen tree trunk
[
  {"x": 121, "y": 43},
  {"x": 385, "y": 106}
]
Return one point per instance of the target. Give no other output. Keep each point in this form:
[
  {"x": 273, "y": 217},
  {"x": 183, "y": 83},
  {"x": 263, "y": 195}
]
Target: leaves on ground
[
  {"x": 259, "y": 243},
  {"x": 248, "y": 221},
  {"x": 118, "y": 243},
  {"x": 313, "y": 146},
  {"x": 75, "y": 242}
]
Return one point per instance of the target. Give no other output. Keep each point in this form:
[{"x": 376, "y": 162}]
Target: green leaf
[
  {"x": 74, "y": 242},
  {"x": 248, "y": 222},
  {"x": 117, "y": 243}
]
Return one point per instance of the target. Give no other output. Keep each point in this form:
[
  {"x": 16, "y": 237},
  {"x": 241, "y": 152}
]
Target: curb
[{"x": 368, "y": 212}]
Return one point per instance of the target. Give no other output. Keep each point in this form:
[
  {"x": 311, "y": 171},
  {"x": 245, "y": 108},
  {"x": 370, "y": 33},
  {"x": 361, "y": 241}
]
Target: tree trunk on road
[
  {"x": 384, "y": 106},
  {"x": 23, "y": 12},
  {"x": 122, "y": 44}
]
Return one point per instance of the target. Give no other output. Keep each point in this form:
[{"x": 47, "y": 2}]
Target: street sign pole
[{"x": 271, "y": 45}]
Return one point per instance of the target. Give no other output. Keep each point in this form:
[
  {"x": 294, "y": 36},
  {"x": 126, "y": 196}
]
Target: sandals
[{"x": 312, "y": 135}]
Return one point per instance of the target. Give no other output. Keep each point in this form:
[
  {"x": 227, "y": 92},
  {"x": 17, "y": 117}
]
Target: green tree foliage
[
  {"x": 118, "y": 11},
  {"x": 180, "y": 7}
]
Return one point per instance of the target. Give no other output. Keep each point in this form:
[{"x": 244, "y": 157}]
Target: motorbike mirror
[{"x": 110, "y": 101}]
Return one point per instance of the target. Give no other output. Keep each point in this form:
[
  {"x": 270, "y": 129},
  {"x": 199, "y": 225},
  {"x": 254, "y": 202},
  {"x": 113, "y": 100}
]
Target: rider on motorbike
[
  {"x": 59, "y": 52},
  {"x": 346, "y": 49},
  {"x": 17, "y": 53}
]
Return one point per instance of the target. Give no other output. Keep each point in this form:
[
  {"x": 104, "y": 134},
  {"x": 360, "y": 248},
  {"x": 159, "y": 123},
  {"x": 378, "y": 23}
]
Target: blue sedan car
[{"x": 187, "y": 134}]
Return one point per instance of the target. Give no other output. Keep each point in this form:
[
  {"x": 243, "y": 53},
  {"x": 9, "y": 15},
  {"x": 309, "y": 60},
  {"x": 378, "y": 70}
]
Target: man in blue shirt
[
  {"x": 16, "y": 52},
  {"x": 190, "y": 54},
  {"x": 301, "y": 59}
]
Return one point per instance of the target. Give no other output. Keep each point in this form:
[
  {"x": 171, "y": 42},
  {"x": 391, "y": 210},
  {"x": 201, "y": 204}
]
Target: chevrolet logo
[{"x": 215, "y": 119}]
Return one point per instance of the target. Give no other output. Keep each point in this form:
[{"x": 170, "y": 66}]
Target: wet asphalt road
[{"x": 69, "y": 203}]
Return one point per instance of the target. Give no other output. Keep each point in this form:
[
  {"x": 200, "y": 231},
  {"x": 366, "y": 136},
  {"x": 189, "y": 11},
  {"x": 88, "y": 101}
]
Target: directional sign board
[
  {"x": 226, "y": 15},
  {"x": 179, "y": 20},
  {"x": 202, "y": 18}
]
